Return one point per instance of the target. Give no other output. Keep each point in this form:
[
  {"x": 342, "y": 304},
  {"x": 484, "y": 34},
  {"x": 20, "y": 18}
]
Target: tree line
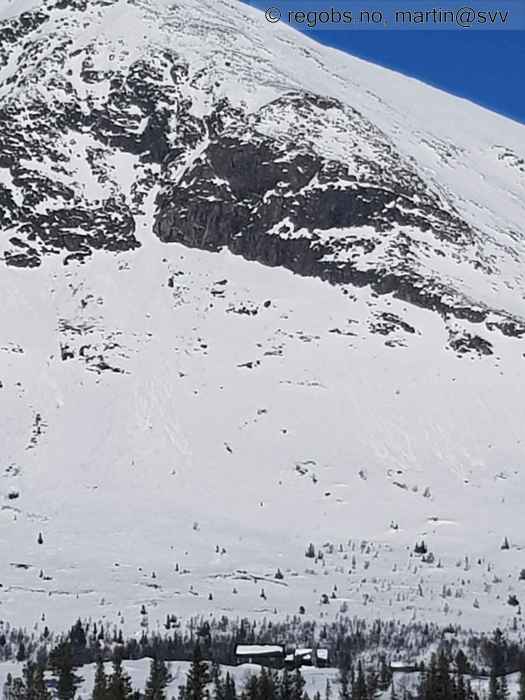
[
  {"x": 218, "y": 638},
  {"x": 360, "y": 676},
  {"x": 441, "y": 680}
]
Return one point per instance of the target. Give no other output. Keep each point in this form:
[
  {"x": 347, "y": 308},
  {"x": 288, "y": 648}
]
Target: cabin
[
  {"x": 51, "y": 685},
  {"x": 307, "y": 657},
  {"x": 271, "y": 655},
  {"x": 304, "y": 657},
  {"x": 403, "y": 667},
  {"x": 322, "y": 658}
]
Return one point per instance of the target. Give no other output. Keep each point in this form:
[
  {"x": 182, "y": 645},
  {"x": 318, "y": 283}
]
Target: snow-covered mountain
[{"x": 256, "y": 293}]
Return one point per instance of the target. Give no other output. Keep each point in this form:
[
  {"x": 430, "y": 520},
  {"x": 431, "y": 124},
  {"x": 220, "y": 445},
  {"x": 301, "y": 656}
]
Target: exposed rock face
[
  {"x": 304, "y": 182},
  {"x": 280, "y": 203}
]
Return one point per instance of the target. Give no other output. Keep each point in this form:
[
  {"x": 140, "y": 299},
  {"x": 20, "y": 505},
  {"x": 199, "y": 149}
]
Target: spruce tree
[
  {"x": 40, "y": 689},
  {"x": 15, "y": 690},
  {"x": 230, "y": 692},
  {"x": 498, "y": 689},
  {"x": 345, "y": 672},
  {"x": 198, "y": 677},
  {"x": 445, "y": 680},
  {"x": 219, "y": 683},
  {"x": 62, "y": 665},
  {"x": 429, "y": 688},
  {"x": 119, "y": 683},
  {"x": 159, "y": 678},
  {"x": 494, "y": 686},
  {"x": 461, "y": 692},
  {"x": 286, "y": 686},
  {"x": 385, "y": 675},
  {"x": 251, "y": 689},
  {"x": 503, "y": 688},
  {"x": 298, "y": 684},
  {"x": 6, "y": 690},
  {"x": 35, "y": 684},
  {"x": 28, "y": 673},
  {"x": 266, "y": 686},
  {"x": 521, "y": 683},
  {"x": 100, "y": 688},
  {"x": 78, "y": 640},
  {"x": 360, "y": 691},
  {"x": 462, "y": 665}
]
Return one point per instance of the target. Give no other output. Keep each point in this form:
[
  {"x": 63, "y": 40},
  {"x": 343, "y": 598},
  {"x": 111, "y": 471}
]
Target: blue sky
[{"x": 487, "y": 67}]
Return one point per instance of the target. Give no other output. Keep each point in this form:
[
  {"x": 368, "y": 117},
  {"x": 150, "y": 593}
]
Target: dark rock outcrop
[{"x": 270, "y": 185}]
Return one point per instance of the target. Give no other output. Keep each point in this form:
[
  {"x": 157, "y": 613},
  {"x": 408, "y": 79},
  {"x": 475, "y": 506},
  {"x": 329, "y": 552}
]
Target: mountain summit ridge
[{"x": 172, "y": 114}]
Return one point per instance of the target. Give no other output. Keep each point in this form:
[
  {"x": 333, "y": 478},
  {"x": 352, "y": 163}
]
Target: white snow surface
[
  {"x": 226, "y": 442},
  {"x": 247, "y": 649}
]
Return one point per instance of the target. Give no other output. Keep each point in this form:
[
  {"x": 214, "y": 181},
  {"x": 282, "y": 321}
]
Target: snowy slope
[{"x": 291, "y": 312}]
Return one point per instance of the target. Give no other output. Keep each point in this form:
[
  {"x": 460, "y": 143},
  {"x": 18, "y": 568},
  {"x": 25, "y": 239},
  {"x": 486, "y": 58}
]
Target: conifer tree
[
  {"x": 521, "y": 690},
  {"x": 6, "y": 690},
  {"x": 445, "y": 680},
  {"x": 286, "y": 686},
  {"x": 15, "y": 689},
  {"x": 77, "y": 637},
  {"x": 345, "y": 672},
  {"x": 359, "y": 690},
  {"x": 462, "y": 665},
  {"x": 198, "y": 677},
  {"x": 493, "y": 686},
  {"x": 437, "y": 681},
  {"x": 28, "y": 673},
  {"x": 35, "y": 686},
  {"x": 215, "y": 673},
  {"x": 100, "y": 688},
  {"x": 498, "y": 689},
  {"x": 119, "y": 683},
  {"x": 62, "y": 665},
  {"x": 471, "y": 695},
  {"x": 310, "y": 551},
  {"x": 251, "y": 689},
  {"x": 266, "y": 685},
  {"x": 461, "y": 692},
  {"x": 503, "y": 688},
  {"x": 219, "y": 684},
  {"x": 159, "y": 678},
  {"x": 298, "y": 684},
  {"x": 385, "y": 675},
  {"x": 230, "y": 692}
]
